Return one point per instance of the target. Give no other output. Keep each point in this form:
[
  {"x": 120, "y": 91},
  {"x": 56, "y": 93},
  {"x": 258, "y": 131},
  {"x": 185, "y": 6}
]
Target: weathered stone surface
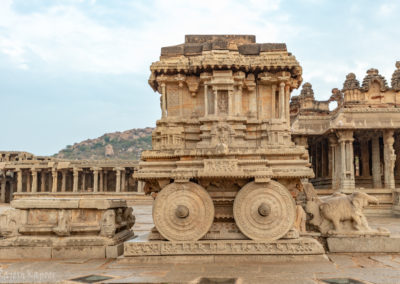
[
  {"x": 64, "y": 203},
  {"x": 302, "y": 246},
  {"x": 101, "y": 203},
  {"x": 114, "y": 251},
  {"x": 68, "y": 230},
  {"x": 373, "y": 244},
  {"x": 79, "y": 252},
  {"x": 25, "y": 252}
]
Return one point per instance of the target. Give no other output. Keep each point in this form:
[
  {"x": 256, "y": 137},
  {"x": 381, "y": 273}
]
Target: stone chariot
[{"x": 223, "y": 165}]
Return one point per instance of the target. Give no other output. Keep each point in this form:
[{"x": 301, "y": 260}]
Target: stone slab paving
[
  {"x": 377, "y": 269},
  {"x": 392, "y": 223}
]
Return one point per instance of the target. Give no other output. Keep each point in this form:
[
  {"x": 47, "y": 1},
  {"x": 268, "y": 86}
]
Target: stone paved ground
[
  {"x": 369, "y": 268},
  {"x": 383, "y": 269}
]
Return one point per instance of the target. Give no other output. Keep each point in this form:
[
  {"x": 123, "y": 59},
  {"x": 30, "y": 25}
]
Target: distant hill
[{"x": 127, "y": 145}]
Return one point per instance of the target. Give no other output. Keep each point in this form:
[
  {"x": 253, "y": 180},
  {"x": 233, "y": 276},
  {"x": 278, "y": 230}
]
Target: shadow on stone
[
  {"x": 342, "y": 281},
  {"x": 206, "y": 280},
  {"x": 92, "y": 278}
]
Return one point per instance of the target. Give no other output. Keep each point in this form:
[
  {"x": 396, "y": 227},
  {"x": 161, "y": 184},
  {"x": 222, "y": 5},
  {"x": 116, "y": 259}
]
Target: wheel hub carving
[
  {"x": 264, "y": 211},
  {"x": 183, "y": 212}
]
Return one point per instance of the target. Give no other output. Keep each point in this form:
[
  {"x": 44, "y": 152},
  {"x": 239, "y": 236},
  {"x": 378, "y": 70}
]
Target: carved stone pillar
[
  {"x": 105, "y": 179},
  {"x": 330, "y": 158},
  {"x": 63, "y": 180},
  {"x": 118, "y": 179},
  {"x": 101, "y": 182},
  {"x": 163, "y": 101},
  {"x": 333, "y": 161},
  {"x": 34, "y": 180},
  {"x": 205, "y": 100},
  {"x": 282, "y": 100},
  {"x": 287, "y": 104},
  {"x": 347, "y": 182},
  {"x": 231, "y": 103},
  {"x": 75, "y": 180},
  {"x": 273, "y": 102},
  {"x": 365, "y": 157},
  {"x": 239, "y": 101},
  {"x": 376, "y": 163},
  {"x": 3, "y": 188},
  {"x": 83, "y": 184},
  {"x": 123, "y": 180},
  {"x": 28, "y": 182},
  {"x": 95, "y": 179},
  {"x": 54, "y": 173},
  {"x": 43, "y": 180},
  {"x": 389, "y": 159},
  {"x": 215, "y": 102},
  {"x": 140, "y": 186},
  {"x": 19, "y": 180}
]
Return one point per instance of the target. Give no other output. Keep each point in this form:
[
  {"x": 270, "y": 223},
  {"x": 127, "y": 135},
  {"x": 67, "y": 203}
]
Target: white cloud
[
  {"x": 64, "y": 36},
  {"x": 386, "y": 9}
]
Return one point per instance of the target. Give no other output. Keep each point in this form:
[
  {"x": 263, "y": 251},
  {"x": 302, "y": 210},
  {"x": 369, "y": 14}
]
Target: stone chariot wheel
[
  {"x": 183, "y": 212},
  {"x": 264, "y": 211}
]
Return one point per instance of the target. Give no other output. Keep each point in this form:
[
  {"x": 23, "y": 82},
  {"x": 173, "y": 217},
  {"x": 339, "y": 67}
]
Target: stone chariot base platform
[{"x": 142, "y": 250}]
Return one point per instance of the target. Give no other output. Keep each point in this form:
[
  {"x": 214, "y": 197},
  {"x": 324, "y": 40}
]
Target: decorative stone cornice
[
  {"x": 351, "y": 82},
  {"x": 374, "y": 76},
  {"x": 307, "y": 91},
  {"x": 396, "y": 78}
]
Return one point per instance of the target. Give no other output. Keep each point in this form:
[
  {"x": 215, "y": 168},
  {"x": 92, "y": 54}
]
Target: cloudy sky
[{"x": 75, "y": 69}]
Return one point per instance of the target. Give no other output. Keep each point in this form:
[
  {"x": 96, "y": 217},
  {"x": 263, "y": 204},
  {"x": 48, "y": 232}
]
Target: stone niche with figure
[{"x": 223, "y": 169}]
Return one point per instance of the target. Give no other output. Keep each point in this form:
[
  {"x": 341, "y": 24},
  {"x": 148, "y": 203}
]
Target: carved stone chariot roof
[{"x": 217, "y": 52}]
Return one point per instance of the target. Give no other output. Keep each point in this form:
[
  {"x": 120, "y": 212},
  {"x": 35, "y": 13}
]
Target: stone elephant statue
[{"x": 340, "y": 213}]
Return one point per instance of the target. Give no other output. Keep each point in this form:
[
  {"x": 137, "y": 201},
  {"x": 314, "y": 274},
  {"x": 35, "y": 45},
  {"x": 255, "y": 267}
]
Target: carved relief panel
[
  {"x": 173, "y": 100},
  {"x": 223, "y": 102},
  {"x": 210, "y": 100}
]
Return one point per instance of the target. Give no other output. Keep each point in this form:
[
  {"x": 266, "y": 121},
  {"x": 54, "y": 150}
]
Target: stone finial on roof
[
  {"x": 374, "y": 76},
  {"x": 307, "y": 91},
  {"x": 351, "y": 82},
  {"x": 396, "y": 77},
  {"x": 337, "y": 96}
]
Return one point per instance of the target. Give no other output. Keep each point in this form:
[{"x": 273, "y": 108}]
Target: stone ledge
[
  {"x": 210, "y": 259},
  {"x": 364, "y": 244},
  {"x": 66, "y": 241},
  {"x": 67, "y": 203},
  {"x": 142, "y": 247},
  {"x": 76, "y": 252}
]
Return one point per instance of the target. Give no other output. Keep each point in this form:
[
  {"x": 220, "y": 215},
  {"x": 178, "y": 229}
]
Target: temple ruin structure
[
  {"x": 237, "y": 167},
  {"x": 357, "y": 144},
  {"x": 23, "y": 174}
]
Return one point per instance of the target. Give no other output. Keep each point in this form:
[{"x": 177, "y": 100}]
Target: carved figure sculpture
[
  {"x": 340, "y": 213},
  {"x": 108, "y": 224}
]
